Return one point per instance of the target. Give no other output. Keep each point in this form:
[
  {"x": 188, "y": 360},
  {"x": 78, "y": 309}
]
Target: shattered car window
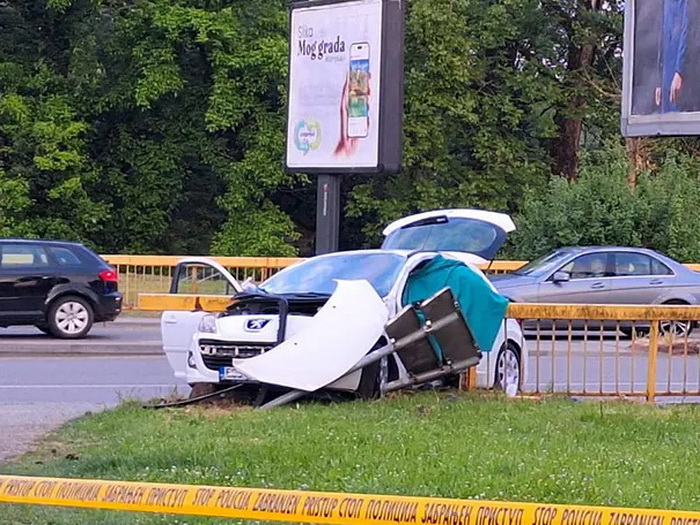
[{"x": 317, "y": 275}]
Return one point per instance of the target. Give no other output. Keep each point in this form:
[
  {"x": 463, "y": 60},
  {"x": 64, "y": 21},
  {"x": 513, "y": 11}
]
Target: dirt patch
[
  {"x": 25, "y": 423},
  {"x": 678, "y": 347}
]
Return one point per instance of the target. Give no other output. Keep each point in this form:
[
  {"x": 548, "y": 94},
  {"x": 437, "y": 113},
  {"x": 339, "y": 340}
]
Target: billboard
[
  {"x": 661, "y": 80},
  {"x": 345, "y": 100}
]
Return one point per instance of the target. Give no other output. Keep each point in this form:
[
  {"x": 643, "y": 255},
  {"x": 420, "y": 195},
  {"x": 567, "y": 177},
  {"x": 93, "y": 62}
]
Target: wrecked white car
[{"x": 363, "y": 322}]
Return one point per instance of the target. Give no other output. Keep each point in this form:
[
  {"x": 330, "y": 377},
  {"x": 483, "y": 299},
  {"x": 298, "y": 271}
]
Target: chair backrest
[
  {"x": 419, "y": 355},
  {"x": 432, "y": 348},
  {"x": 455, "y": 340}
]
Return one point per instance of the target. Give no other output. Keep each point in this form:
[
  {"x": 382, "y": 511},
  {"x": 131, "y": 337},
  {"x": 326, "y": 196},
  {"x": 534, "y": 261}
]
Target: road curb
[
  {"x": 78, "y": 349},
  {"x": 137, "y": 321}
]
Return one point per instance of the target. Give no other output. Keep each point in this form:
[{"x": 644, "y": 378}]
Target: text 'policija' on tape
[{"x": 315, "y": 507}]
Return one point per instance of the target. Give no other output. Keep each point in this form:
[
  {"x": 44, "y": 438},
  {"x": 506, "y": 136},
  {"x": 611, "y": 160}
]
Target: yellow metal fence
[
  {"x": 610, "y": 350},
  {"x": 152, "y": 273},
  {"x": 582, "y": 350}
]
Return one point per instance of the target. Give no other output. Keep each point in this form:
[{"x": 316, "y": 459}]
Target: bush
[{"x": 600, "y": 208}]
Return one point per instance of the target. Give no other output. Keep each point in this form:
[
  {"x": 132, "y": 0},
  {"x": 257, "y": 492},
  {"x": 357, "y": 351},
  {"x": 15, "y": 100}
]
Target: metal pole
[
  {"x": 370, "y": 358},
  {"x": 651, "y": 361},
  {"x": 327, "y": 213}
]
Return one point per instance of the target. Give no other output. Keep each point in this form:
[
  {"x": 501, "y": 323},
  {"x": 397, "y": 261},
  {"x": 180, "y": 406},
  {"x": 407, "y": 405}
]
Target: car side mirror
[{"x": 561, "y": 277}]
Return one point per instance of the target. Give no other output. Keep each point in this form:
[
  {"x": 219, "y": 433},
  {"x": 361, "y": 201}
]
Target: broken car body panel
[{"x": 342, "y": 332}]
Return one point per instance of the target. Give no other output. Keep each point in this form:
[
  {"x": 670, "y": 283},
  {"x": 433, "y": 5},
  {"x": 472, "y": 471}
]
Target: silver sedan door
[
  {"x": 588, "y": 281},
  {"x": 639, "y": 278}
]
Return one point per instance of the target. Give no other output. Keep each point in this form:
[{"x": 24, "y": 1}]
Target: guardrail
[
  {"x": 585, "y": 350},
  {"x": 610, "y": 350},
  {"x": 152, "y": 273},
  {"x": 316, "y": 507}
]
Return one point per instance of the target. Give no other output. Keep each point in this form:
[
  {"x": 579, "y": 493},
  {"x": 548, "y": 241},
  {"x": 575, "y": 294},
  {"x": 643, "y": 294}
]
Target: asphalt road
[
  {"x": 38, "y": 394},
  {"x": 45, "y": 382},
  {"x": 100, "y": 381},
  {"x": 126, "y": 336}
]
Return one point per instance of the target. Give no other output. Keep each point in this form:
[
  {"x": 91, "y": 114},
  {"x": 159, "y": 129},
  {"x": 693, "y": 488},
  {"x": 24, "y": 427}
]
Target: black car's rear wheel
[{"x": 70, "y": 317}]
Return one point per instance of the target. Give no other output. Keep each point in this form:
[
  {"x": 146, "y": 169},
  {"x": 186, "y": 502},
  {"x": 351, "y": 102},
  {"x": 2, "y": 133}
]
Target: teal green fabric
[{"x": 483, "y": 308}]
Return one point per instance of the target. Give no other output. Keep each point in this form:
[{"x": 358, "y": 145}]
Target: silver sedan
[{"x": 604, "y": 275}]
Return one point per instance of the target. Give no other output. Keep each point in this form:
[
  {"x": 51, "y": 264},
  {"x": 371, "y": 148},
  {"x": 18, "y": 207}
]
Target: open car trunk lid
[{"x": 458, "y": 231}]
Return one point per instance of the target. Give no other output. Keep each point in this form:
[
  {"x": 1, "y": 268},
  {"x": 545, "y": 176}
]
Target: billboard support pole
[{"x": 327, "y": 213}]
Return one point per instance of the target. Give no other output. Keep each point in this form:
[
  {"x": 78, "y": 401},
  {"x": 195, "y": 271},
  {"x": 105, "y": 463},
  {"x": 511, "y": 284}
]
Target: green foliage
[
  {"x": 475, "y": 129},
  {"x": 425, "y": 444},
  {"x": 669, "y": 216},
  {"x": 158, "y": 126},
  {"x": 146, "y": 128},
  {"x": 601, "y": 209}
]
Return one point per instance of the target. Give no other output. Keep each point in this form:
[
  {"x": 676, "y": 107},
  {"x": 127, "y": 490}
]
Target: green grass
[{"x": 470, "y": 446}]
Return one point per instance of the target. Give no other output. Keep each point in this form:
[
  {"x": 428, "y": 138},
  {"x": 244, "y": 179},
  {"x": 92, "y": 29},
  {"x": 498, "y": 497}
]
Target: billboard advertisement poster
[
  {"x": 339, "y": 59},
  {"x": 661, "y": 77}
]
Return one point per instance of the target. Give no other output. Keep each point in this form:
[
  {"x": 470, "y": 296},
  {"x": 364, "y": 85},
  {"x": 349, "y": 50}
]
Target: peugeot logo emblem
[{"x": 254, "y": 325}]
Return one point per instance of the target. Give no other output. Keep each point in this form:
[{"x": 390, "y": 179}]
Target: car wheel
[
  {"x": 70, "y": 317},
  {"x": 508, "y": 367},
  {"x": 678, "y": 329}
]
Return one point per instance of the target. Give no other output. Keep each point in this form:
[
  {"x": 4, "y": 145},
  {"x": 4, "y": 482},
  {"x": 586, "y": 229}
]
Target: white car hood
[{"x": 317, "y": 351}]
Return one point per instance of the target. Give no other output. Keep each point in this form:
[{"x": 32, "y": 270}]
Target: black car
[{"x": 61, "y": 288}]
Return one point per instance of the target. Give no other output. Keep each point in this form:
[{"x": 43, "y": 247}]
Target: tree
[
  {"x": 477, "y": 116},
  {"x": 588, "y": 63}
]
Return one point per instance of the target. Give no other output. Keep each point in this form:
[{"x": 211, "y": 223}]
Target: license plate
[{"x": 229, "y": 373}]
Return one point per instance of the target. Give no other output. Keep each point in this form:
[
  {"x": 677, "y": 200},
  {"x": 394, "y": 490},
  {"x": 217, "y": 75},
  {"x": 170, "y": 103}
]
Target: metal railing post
[
  {"x": 651, "y": 361},
  {"x": 471, "y": 378}
]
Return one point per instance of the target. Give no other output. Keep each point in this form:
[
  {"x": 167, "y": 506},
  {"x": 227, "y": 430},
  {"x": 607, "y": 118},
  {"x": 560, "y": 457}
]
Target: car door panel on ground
[{"x": 26, "y": 277}]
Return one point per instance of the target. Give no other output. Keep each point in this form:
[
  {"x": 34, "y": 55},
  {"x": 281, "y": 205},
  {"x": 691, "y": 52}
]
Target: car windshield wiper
[{"x": 426, "y": 222}]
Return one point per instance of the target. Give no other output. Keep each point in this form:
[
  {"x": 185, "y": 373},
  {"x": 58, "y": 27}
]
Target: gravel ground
[{"x": 23, "y": 423}]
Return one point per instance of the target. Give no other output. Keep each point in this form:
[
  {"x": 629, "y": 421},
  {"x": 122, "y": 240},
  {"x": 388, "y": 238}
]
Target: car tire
[
  {"x": 508, "y": 367},
  {"x": 70, "y": 317},
  {"x": 678, "y": 328},
  {"x": 369, "y": 387}
]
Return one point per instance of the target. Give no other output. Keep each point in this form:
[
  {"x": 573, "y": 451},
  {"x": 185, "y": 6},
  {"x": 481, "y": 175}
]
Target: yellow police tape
[{"x": 317, "y": 507}]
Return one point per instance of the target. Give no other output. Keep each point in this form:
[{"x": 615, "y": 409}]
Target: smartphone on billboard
[{"x": 358, "y": 91}]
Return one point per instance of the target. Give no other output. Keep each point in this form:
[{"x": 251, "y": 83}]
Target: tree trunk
[
  {"x": 579, "y": 58},
  {"x": 638, "y": 156},
  {"x": 569, "y": 142}
]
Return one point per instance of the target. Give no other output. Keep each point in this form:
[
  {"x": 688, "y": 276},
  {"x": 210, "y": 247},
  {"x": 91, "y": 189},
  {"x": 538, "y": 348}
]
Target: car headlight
[{"x": 208, "y": 324}]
